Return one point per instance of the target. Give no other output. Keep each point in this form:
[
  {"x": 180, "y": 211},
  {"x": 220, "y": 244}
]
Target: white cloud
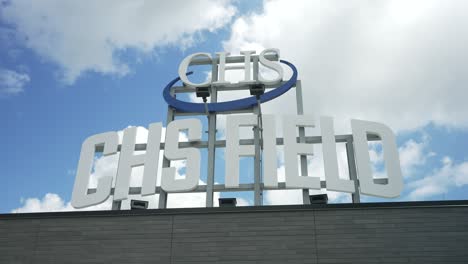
[
  {"x": 315, "y": 168},
  {"x": 52, "y": 202},
  {"x": 413, "y": 155},
  {"x": 12, "y": 82},
  {"x": 439, "y": 182},
  {"x": 107, "y": 165},
  {"x": 283, "y": 197},
  {"x": 85, "y": 36},
  {"x": 400, "y": 64}
]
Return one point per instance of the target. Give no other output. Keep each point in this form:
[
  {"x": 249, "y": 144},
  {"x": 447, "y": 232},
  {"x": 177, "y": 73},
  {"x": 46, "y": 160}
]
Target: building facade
[{"x": 406, "y": 232}]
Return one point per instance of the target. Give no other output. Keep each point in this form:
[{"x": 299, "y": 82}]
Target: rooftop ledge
[{"x": 240, "y": 209}]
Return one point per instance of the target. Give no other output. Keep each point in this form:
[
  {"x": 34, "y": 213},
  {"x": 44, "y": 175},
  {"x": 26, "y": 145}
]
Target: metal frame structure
[{"x": 212, "y": 144}]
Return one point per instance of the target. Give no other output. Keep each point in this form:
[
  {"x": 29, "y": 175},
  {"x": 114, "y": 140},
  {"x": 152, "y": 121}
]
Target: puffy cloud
[
  {"x": 400, "y": 64},
  {"x": 439, "y": 182},
  {"x": 413, "y": 155},
  {"x": 315, "y": 168},
  {"x": 52, "y": 202},
  {"x": 283, "y": 197},
  {"x": 403, "y": 64},
  {"x": 424, "y": 177},
  {"x": 107, "y": 165},
  {"x": 87, "y": 36},
  {"x": 12, "y": 82}
]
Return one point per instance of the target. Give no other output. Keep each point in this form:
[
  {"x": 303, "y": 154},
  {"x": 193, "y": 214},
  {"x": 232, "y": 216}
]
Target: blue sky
[{"x": 65, "y": 77}]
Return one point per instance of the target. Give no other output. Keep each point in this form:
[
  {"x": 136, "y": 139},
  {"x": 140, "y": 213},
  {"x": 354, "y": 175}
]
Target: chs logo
[
  {"x": 173, "y": 150},
  {"x": 248, "y": 79}
]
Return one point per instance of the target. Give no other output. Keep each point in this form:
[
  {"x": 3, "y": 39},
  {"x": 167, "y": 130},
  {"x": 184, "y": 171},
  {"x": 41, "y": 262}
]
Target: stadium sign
[{"x": 176, "y": 150}]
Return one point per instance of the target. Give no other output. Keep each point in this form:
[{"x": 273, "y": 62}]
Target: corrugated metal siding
[{"x": 415, "y": 234}]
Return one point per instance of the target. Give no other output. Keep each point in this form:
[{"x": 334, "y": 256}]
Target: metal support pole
[
  {"x": 166, "y": 163},
  {"x": 210, "y": 178},
  {"x": 116, "y": 205},
  {"x": 352, "y": 170},
  {"x": 258, "y": 200},
  {"x": 303, "y": 158},
  {"x": 258, "y": 192}
]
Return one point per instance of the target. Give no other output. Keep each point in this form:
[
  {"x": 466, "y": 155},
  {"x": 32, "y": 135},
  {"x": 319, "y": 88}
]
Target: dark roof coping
[{"x": 243, "y": 209}]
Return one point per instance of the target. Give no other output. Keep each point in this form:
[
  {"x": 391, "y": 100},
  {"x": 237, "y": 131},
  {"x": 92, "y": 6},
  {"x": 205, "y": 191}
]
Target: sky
[{"x": 72, "y": 69}]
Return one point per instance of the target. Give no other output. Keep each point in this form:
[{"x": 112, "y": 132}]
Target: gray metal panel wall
[{"x": 287, "y": 234}]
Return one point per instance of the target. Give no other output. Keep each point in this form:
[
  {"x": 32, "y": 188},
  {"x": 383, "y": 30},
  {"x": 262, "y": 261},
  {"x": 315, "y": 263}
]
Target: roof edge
[{"x": 242, "y": 209}]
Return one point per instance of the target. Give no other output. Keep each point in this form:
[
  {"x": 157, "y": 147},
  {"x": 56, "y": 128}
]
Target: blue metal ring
[{"x": 229, "y": 105}]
